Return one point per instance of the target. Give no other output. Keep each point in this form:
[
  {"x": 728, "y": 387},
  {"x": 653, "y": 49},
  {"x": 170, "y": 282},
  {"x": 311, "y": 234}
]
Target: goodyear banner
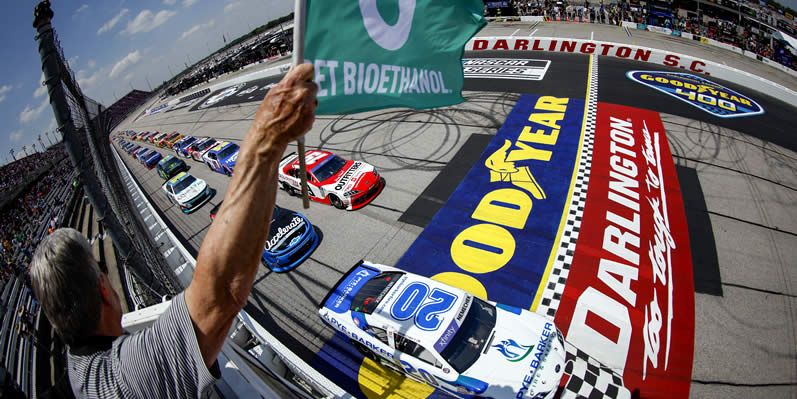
[
  {"x": 496, "y": 234},
  {"x": 699, "y": 92},
  {"x": 629, "y": 298},
  {"x": 372, "y": 54}
]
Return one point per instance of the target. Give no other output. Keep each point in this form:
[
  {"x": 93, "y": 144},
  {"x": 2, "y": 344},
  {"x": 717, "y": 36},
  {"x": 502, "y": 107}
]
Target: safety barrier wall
[
  {"x": 631, "y": 52},
  {"x": 271, "y": 353}
]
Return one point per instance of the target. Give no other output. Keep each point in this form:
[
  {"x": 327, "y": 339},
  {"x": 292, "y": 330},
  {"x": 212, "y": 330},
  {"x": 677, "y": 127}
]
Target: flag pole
[{"x": 299, "y": 17}]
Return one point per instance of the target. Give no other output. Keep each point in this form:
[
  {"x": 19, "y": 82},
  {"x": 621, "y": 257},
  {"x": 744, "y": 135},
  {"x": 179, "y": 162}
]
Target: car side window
[
  {"x": 379, "y": 333},
  {"x": 291, "y": 173},
  {"x": 415, "y": 350}
]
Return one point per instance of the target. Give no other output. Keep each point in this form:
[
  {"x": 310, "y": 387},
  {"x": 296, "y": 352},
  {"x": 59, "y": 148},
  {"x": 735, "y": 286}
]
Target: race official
[{"x": 176, "y": 356}]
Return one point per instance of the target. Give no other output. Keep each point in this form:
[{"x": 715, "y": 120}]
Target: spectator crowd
[
  {"x": 14, "y": 172},
  {"x": 724, "y": 26}
]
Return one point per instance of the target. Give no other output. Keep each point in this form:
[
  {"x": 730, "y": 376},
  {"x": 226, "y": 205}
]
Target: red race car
[{"x": 332, "y": 180}]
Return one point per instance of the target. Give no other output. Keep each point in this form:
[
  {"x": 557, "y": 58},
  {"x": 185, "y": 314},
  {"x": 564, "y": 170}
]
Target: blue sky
[{"x": 112, "y": 45}]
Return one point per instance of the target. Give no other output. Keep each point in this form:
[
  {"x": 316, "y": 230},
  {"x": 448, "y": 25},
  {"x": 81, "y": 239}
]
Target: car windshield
[
  {"x": 183, "y": 184},
  {"x": 206, "y": 144},
  {"x": 171, "y": 164},
  {"x": 467, "y": 344},
  {"x": 223, "y": 154},
  {"x": 372, "y": 292},
  {"x": 329, "y": 168},
  {"x": 188, "y": 142}
]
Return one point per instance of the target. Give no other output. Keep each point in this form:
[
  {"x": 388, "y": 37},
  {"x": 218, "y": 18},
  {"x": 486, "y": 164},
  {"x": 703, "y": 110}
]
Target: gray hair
[{"x": 64, "y": 276}]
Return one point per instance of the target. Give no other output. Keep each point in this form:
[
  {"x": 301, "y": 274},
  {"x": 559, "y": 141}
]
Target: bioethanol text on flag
[{"x": 372, "y": 54}]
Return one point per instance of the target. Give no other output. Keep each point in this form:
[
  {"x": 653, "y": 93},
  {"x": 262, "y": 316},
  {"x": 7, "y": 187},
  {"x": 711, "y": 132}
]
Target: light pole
[
  {"x": 34, "y": 148},
  {"x": 11, "y": 151},
  {"x": 148, "y": 84},
  {"x": 40, "y": 142},
  {"x": 47, "y": 133},
  {"x": 25, "y": 150}
]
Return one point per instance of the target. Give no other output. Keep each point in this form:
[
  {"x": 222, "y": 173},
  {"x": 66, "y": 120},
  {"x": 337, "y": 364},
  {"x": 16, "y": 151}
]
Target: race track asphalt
[{"x": 744, "y": 169}]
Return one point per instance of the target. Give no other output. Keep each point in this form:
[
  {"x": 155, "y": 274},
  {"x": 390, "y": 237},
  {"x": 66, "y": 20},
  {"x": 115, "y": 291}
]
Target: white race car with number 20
[{"x": 445, "y": 337}]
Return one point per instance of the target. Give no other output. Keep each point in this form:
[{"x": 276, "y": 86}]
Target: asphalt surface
[{"x": 744, "y": 168}]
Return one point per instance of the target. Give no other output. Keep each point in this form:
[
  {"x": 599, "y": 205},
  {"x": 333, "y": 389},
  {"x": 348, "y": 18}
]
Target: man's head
[{"x": 70, "y": 286}]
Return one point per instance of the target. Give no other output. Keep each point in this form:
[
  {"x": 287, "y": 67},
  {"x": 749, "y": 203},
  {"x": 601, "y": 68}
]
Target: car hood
[
  {"x": 356, "y": 175},
  {"x": 287, "y": 228},
  {"x": 525, "y": 346},
  {"x": 196, "y": 188}
]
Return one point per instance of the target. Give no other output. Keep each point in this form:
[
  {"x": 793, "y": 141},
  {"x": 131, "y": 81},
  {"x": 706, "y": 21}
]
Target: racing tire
[{"x": 336, "y": 202}]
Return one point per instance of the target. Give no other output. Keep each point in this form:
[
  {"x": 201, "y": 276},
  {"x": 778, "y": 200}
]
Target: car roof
[
  {"x": 164, "y": 160},
  {"x": 218, "y": 146},
  {"x": 177, "y": 178}
]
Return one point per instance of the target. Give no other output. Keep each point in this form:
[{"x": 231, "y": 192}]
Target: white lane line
[
  {"x": 532, "y": 33},
  {"x": 592, "y": 35},
  {"x": 516, "y": 31}
]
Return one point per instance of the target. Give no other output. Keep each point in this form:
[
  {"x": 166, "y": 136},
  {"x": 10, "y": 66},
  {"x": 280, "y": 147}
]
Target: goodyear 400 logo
[{"x": 699, "y": 92}]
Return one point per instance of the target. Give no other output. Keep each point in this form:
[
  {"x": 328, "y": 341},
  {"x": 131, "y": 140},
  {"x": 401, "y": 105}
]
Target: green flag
[{"x": 371, "y": 54}]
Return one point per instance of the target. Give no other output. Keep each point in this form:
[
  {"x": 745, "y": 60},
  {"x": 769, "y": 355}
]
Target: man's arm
[{"x": 230, "y": 254}]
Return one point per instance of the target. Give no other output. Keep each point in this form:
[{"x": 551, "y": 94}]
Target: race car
[
  {"x": 181, "y": 147},
  {"x": 291, "y": 239},
  {"x": 143, "y": 153},
  {"x": 132, "y": 149},
  {"x": 445, "y": 337},
  {"x": 152, "y": 160},
  {"x": 170, "y": 166},
  {"x": 188, "y": 192},
  {"x": 221, "y": 158},
  {"x": 174, "y": 140},
  {"x": 332, "y": 179},
  {"x": 156, "y": 137},
  {"x": 200, "y": 148},
  {"x": 164, "y": 141}
]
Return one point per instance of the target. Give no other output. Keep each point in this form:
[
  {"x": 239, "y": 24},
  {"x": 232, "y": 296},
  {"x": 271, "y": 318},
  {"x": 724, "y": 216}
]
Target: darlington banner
[
  {"x": 368, "y": 55},
  {"x": 629, "y": 298}
]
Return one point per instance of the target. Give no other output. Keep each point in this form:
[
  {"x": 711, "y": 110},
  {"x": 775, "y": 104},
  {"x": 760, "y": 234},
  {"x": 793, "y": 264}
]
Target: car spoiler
[{"x": 343, "y": 277}]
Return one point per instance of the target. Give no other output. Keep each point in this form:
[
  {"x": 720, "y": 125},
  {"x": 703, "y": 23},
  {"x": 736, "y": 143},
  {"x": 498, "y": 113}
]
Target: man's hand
[
  {"x": 230, "y": 254},
  {"x": 288, "y": 110}
]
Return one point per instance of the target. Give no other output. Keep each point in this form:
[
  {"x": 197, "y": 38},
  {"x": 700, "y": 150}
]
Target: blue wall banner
[
  {"x": 496, "y": 234},
  {"x": 699, "y": 92}
]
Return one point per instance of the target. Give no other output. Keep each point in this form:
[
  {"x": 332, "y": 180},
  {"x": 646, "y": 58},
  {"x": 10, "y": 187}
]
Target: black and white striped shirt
[{"x": 161, "y": 361}]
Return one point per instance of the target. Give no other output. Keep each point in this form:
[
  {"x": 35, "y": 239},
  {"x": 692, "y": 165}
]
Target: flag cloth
[{"x": 371, "y": 54}]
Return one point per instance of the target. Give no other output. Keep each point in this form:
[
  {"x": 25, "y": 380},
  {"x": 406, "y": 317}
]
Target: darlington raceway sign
[
  {"x": 629, "y": 298},
  {"x": 702, "y": 93}
]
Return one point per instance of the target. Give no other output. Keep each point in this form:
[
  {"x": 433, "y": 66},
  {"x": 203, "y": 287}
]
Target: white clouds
[
  {"x": 3, "y": 90},
  {"x": 91, "y": 64},
  {"x": 169, "y": 2},
  {"x": 231, "y": 6},
  {"x": 197, "y": 28},
  {"x": 31, "y": 114},
  {"x": 189, "y": 3},
  {"x": 15, "y": 136},
  {"x": 87, "y": 82},
  {"x": 124, "y": 63},
  {"x": 146, "y": 21},
  {"x": 110, "y": 24},
  {"x": 42, "y": 90},
  {"x": 52, "y": 124},
  {"x": 82, "y": 8}
]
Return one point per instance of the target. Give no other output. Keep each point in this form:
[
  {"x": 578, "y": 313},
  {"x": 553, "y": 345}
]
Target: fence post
[{"x": 76, "y": 142}]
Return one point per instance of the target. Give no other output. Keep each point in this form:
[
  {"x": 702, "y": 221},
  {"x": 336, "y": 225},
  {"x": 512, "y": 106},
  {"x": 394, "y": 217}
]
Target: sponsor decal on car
[
  {"x": 348, "y": 175},
  {"x": 699, "y": 92},
  {"x": 282, "y": 231}
]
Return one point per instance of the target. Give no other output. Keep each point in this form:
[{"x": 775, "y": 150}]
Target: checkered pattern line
[
  {"x": 588, "y": 378},
  {"x": 555, "y": 286}
]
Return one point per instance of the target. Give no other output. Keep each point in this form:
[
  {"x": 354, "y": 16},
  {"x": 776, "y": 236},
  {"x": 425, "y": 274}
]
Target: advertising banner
[
  {"x": 368, "y": 55},
  {"x": 629, "y": 298},
  {"x": 496, "y": 233}
]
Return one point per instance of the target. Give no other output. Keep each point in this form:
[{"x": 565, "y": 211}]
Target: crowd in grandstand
[
  {"x": 23, "y": 216},
  {"x": 744, "y": 33},
  {"x": 14, "y": 172}
]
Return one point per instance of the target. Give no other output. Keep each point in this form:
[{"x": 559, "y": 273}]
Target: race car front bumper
[
  {"x": 197, "y": 202},
  {"x": 366, "y": 197}
]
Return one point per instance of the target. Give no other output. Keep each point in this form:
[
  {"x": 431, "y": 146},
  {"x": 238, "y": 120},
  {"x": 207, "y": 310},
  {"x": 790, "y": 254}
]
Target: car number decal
[{"x": 412, "y": 302}]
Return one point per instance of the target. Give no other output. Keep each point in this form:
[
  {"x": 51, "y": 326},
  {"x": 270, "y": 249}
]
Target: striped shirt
[{"x": 161, "y": 361}]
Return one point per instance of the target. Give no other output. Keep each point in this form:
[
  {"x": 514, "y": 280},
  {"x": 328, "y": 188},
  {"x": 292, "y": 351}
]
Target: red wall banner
[{"x": 629, "y": 299}]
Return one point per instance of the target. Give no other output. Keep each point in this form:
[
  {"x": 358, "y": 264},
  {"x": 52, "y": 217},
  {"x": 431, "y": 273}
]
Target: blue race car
[
  {"x": 181, "y": 147},
  {"x": 291, "y": 239},
  {"x": 222, "y": 157},
  {"x": 143, "y": 153},
  {"x": 153, "y": 160}
]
